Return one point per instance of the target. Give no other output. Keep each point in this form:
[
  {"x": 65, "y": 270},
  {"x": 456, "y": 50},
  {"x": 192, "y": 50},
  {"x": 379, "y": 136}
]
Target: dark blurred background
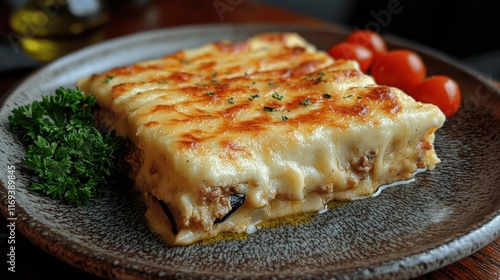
[
  {"x": 461, "y": 28},
  {"x": 464, "y": 29}
]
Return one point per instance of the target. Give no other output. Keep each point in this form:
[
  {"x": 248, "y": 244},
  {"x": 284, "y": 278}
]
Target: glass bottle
[{"x": 48, "y": 29}]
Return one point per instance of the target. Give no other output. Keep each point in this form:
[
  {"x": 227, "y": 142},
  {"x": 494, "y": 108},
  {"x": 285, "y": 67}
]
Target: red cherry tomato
[
  {"x": 368, "y": 39},
  {"x": 403, "y": 69},
  {"x": 344, "y": 50},
  {"x": 441, "y": 91}
]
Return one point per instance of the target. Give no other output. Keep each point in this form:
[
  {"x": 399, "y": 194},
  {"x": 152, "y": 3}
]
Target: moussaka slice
[{"x": 234, "y": 133}]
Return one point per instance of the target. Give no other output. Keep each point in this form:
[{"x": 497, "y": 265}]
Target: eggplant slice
[{"x": 236, "y": 201}]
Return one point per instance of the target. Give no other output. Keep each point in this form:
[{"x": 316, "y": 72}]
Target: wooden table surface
[{"x": 33, "y": 263}]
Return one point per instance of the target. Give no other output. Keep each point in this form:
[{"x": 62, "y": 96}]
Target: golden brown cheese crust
[{"x": 231, "y": 134}]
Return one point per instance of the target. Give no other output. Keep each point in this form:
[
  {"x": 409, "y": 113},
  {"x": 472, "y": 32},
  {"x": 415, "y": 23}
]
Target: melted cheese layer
[{"x": 271, "y": 118}]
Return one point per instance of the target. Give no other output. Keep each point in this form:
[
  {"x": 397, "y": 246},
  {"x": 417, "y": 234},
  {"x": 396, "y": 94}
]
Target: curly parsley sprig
[{"x": 69, "y": 156}]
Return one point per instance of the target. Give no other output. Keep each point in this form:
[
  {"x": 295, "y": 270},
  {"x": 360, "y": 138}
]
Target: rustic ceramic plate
[{"x": 406, "y": 231}]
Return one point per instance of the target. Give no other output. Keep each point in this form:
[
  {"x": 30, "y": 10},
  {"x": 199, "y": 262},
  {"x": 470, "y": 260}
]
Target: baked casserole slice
[{"x": 231, "y": 134}]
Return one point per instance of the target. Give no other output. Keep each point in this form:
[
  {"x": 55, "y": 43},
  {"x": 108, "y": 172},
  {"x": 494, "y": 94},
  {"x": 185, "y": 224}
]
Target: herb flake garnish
[
  {"x": 253, "y": 96},
  {"x": 108, "y": 79},
  {"x": 269, "y": 109},
  {"x": 327, "y": 95},
  {"x": 69, "y": 156},
  {"x": 318, "y": 79},
  {"x": 305, "y": 102},
  {"x": 276, "y": 95},
  {"x": 272, "y": 85},
  {"x": 230, "y": 100}
]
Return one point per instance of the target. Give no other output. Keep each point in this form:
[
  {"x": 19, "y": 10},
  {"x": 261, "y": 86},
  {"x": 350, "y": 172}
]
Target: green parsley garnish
[
  {"x": 348, "y": 96},
  {"x": 276, "y": 95},
  {"x": 210, "y": 93},
  {"x": 108, "y": 79},
  {"x": 269, "y": 109},
  {"x": 305, "y": 102},
  {"x": 284, "y": 118},
  {"x": 230, "y": 100},
  {"x": 327, "y": 95},
  {"x": 69, "y": 156},
  {"x": 214, "y": 74}
]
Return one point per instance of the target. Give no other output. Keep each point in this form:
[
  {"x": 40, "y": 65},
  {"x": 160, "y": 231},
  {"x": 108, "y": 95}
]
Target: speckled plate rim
[{"x": 457, "y": 247}]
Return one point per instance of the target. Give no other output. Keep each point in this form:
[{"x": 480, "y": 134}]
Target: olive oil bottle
[{"x": 48, "y": 29}]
